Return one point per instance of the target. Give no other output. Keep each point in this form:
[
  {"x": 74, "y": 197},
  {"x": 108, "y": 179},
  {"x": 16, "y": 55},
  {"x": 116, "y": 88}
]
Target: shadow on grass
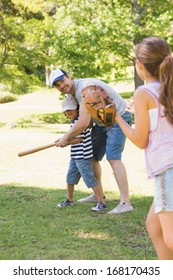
[{"x": 32, "y": 227}]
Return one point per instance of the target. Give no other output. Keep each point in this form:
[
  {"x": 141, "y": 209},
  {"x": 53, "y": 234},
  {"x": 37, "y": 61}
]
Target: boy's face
[{"x": 71, "y": 114}]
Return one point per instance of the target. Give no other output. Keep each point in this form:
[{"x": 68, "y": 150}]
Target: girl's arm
[{"x": 139, "y": 135}]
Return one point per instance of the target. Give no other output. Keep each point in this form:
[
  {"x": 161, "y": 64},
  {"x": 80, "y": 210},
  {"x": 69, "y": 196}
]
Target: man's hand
[
  {"x": 63, "y": 141},
  {"x": 58, "y": 144}
]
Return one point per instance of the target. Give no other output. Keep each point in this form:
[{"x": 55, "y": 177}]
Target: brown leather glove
[{"x": 99, "y": 105}]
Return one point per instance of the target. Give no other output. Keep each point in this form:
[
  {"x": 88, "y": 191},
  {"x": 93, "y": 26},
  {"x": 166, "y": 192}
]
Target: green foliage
[
  {"x": 88, "y": 38},
  {"x": 18, "y": 81},
  {"x": 53, "y": 118},
  {"x": 7, "y": 97},
  {"x": 127, "y": 95},
  {"x": 20, "y": 66},
  {"x": 33, "y": 228},
  {"x": 42, "y": 119}
]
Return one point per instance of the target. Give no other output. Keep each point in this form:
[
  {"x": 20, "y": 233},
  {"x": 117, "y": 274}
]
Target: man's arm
[{"x": 77, "y": 128}]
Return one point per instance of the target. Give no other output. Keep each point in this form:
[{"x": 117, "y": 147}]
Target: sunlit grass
[{"x": 32, "y": 227}]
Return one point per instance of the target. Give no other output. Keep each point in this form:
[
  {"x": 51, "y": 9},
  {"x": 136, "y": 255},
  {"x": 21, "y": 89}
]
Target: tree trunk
[
  {"x": 137, "y": 13},
  {"x": 138, "y": 82},
  {"x": 47, "y": 72}
]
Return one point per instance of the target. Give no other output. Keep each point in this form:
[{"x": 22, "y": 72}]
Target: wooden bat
[{"x": 37, "y": 149}]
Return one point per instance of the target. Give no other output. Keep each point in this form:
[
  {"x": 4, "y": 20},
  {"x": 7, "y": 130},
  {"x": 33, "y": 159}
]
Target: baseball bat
[{"x": 37, "y": 149}]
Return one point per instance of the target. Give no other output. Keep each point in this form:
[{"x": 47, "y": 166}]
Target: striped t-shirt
[{"x": 82, "y": 150}]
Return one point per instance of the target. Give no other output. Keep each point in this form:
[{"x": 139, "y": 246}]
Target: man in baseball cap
[
  {"x": 112, "y": 142},
  {"x": 56, "y": 75}
]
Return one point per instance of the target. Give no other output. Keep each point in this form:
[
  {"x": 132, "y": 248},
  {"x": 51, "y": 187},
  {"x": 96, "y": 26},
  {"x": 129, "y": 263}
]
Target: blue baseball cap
[{"x": 56, "y": 75}]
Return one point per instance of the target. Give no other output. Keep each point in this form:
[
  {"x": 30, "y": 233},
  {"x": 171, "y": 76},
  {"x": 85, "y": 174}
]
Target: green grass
[
  {"x": 40, "y": 119},
  {"x": 32, "y": 227},
  {"x": 127, "y": 95}
]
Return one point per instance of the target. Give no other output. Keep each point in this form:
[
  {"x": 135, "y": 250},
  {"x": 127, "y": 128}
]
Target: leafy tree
[
  {"x": 86, "y": 37},
  {"x": 151, "y": 19},
  {"x": 14, "y": 52},
  {"x": 96, "y": 37}
]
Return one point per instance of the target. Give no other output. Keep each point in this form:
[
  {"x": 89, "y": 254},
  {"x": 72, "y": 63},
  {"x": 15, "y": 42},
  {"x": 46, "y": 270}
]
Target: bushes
[
  {"x": 7, "y": 97},
  {"x": 40, "y": 119},
  {"x": 53, "y": 118}
]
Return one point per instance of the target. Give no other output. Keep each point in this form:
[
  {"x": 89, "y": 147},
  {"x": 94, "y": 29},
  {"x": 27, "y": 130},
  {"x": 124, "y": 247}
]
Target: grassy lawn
[{"x": 32, "y": 227}]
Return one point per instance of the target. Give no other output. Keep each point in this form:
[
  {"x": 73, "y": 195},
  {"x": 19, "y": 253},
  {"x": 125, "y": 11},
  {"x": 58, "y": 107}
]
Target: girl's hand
[{"x": 130, "y": 105}]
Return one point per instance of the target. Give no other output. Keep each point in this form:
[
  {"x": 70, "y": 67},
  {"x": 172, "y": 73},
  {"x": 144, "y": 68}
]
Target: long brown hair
[{"x": 155, "y": 54}]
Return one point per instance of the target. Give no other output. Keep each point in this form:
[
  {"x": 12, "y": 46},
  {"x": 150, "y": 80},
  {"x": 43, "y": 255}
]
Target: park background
[{"x": 86, "y": 38}]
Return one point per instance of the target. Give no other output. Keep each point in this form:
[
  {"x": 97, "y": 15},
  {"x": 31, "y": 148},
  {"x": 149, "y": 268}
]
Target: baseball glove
[{"x": 99, "y": 105}]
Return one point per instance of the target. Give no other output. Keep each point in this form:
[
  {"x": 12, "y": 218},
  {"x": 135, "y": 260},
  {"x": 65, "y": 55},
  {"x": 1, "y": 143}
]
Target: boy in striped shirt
[{"x": 81, "y": 162}]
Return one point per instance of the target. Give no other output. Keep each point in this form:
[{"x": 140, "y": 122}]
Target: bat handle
[{"x": 34, "y": 150}]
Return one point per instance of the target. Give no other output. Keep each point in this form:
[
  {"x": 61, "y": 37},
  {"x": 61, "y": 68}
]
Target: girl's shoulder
[{"x": 153, "y": 88}]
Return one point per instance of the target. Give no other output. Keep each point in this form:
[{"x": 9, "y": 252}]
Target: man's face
[{"x": 64, "y": 85}]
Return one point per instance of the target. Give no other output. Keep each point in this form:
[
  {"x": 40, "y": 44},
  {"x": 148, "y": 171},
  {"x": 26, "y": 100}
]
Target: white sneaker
[
  {"x": 121, "y": 208},
  {"x": 90, "y": 198}
]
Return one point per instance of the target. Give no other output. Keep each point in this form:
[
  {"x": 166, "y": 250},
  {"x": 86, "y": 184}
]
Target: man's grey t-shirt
[{"x": 80, "y": 84}]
